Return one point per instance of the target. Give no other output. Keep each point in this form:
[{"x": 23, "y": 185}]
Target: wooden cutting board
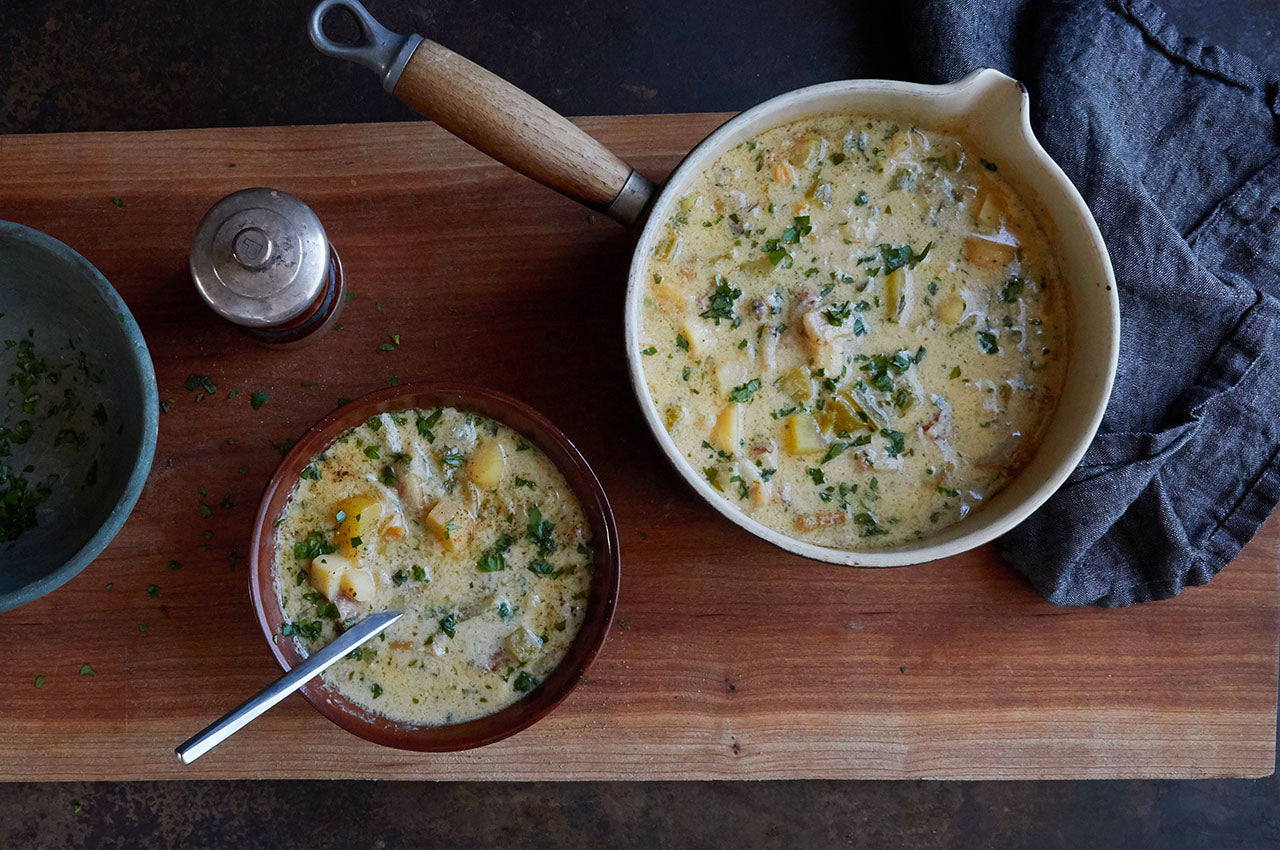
[{"x": 729, "y": 658}]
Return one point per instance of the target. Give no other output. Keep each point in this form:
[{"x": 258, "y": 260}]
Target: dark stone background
[{"x": 151, "y": 64}]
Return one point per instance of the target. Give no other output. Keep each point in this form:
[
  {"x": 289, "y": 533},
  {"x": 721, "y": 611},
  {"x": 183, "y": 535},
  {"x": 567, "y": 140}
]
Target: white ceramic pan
[{"x": 986, "y": 108}]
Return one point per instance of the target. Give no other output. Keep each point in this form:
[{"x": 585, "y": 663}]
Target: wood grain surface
[{"x": 729, "y": 659}]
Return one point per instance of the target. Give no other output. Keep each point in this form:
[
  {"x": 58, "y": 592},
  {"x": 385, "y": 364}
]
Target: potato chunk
[
  {"x": 729, "y": 374},
  {"x": 950, "y": 309},
  {"x": 326, "y": 574},
  {"x": 990, "y": 209},
  {"x": 989, "y": 252},
  {"x": 486, "y": 463},
  {"x": 701, "y": 335},
  {"x": 670, "y": 297},
  {"x": 361, "y": 516},
  {"x": 726, "y": 436},
  {"x": 800, "y": 435},
  {"x": 798, "y": 384},
  {"x": 808, "y": 151},
  {"x": 822, "y": 519},
  {"x": 668, "y": 249},
  {"x": 358, "y": 584},
  {"x": 523, "y": 644},
  {"x": 449, "y": 523}
]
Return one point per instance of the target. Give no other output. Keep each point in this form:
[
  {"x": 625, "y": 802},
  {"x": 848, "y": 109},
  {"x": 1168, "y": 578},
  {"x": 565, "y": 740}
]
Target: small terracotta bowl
[{"x": 601, "y": 600}]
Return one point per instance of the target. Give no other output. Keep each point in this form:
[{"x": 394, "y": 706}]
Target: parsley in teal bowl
[{"x": 79, "y": 418}]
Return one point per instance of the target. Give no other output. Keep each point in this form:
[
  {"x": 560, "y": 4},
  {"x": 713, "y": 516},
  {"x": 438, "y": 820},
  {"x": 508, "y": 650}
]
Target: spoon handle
[{"x": 245, "y": 713}]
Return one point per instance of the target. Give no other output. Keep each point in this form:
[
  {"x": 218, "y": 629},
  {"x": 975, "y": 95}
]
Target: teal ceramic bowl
[{"x": 74, "y": 366}]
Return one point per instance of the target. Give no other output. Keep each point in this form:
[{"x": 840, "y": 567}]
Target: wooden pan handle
[{"x": 491, "y": 114}]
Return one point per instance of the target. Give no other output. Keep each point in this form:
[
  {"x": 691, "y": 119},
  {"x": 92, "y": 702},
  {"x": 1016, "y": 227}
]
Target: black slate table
[{"x": 69, "y": 65}]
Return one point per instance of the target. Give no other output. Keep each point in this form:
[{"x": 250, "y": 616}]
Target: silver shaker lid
[{"x": 260, "y": 257}]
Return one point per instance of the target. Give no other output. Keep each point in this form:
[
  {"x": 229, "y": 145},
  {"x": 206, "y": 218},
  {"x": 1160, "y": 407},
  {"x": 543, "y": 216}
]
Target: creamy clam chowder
[
  {"x": 457, "y": 521},
  {"x": 854, "y": 329}
]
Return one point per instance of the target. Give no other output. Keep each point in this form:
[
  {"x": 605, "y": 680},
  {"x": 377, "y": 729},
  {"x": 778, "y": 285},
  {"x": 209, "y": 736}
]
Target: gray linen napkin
[{"x": 1174, "y": 145}]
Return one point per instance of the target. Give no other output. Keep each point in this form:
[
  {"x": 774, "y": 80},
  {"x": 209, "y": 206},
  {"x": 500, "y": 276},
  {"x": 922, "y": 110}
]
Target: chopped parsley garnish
[
  {"x": 904, "y": 255},
  {"x": 650, "y": 351},
  {"x": 525, "y": 482},
  {"x": 493, "y": 559},
  {"x": 896, "y": 441},
  {"x": 419, "y": 574},
  {"x": 86, "y": 670},
  {"x": 987, "y": 342},
  {"x": 744, "y": 392},
  {"x": 257, "y": 399},
  {"x": 425, "y": 424},
  {"x": 713, "y": 477},
  {"x": 371, "y": 452},
  {"x": 376, "y": 690},
  {"x": 777, "y": 254},
  {"x": 834, "y": 451},
  {"x": 837, "y": 313},
  {"x": 399, "y": 577},
  {"x": 540, "y": 531},
  {"x": 816, "y": 474},
  {"x": 524, "y": 682},
  {"x": 540, "y": 567},
  {"x": 1012, "y": 290},
  {"x": 722, "y": 299},
  {"x": 681, "y": 342},
  {"x": 799, "y": 229},
  {"x": 315, "y": 544},
  {"x": 153, "y": 591},
  {"x": 309, "y": 629},
  {"x": 453, "y": 459},
  {"x": 449, "y": 625},
  {"x": 387, "y": 476}
]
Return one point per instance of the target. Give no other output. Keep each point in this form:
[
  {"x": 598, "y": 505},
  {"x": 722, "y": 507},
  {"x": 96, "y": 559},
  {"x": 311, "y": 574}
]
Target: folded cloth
[{"x": 1173, "y": 144}]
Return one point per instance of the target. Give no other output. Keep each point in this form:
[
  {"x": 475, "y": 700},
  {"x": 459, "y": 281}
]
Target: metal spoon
[{"x": 248, "y": 711}]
